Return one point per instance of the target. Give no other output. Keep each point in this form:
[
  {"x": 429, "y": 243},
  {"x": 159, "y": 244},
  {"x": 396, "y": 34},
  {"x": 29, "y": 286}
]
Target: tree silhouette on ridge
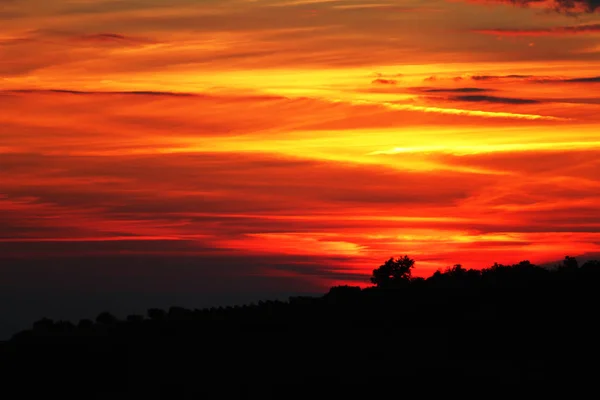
[{"x": 394, "y": 272}]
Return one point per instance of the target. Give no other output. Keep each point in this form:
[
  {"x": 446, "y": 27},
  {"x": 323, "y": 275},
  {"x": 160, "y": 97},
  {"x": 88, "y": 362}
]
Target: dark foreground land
[{"x": 504, "y": 327}]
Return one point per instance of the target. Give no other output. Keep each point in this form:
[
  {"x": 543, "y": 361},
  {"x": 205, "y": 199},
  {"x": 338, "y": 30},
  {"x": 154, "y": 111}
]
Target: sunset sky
[{"x": 262, "y": 146}]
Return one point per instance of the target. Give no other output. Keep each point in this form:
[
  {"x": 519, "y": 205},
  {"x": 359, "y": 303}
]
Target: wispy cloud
[
  {"x": 454, "y": 90},
  {"x": 560, "y": 30},
  {"x": 493, "y": 99},
  {"x": 466, "y": 112}
]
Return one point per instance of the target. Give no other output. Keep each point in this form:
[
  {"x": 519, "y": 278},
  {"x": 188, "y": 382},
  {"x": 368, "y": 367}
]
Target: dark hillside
[{"x": 503, "y": 326}]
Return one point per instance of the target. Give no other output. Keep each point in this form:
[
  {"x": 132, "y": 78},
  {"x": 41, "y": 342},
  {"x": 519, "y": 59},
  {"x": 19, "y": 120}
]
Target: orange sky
[{"x": 317, "y": 138}]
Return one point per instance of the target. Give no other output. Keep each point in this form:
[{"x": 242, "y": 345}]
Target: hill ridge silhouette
[{"x": 504, "y": 325}]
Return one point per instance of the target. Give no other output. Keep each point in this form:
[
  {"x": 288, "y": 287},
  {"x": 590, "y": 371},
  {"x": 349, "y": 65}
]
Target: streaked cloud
[
  {"x": 493, "y": 99},
  {"x": 570, "y": 6},
  {"x": 560, "y": 30}
]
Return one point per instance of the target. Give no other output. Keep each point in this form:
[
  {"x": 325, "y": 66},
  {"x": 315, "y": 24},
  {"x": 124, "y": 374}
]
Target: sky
[{"x": 213, "y": 151}]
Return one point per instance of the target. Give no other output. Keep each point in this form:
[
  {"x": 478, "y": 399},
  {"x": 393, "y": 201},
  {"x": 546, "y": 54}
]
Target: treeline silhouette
[{"x": 502, "y": 325}]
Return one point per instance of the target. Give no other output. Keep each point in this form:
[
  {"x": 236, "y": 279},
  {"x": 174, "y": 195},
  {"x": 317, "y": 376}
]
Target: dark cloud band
[{"x": 560, "y": 5}]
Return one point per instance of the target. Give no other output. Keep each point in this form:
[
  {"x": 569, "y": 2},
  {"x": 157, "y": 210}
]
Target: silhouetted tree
[
  {"x": 394, "y": 272},
  {"x": 591, "y": 264},
  {"x": 106, "y": 318},
  {"x": 456, "y": 271},
  {"x": 419, "y": 281},
  {"x": 156, "y": 314},
  {"x": 590, "y": 272},
  {"x": 64, "y": 326},
  {"x": 177, "y": 312},
  {"x": 85, "y": 324},
  {"x": 570, "y": 263},
  {"x": 135, "y": 319},
  {"x": 456, "y": 277},
  {"x": 343, "y": 294},
  {"x": 44, "y": 324}
]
